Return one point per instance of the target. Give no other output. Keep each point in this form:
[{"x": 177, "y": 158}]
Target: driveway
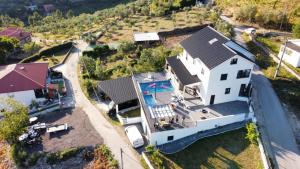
[
  {"x": 276, "y": 133},
  {"x": 110, "y": 136}
]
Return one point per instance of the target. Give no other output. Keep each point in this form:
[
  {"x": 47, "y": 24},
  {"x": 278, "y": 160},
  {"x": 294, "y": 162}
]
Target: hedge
[{"x": 47, "y": 52}]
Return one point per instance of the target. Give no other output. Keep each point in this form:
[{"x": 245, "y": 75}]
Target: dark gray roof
[
  {"x": 293, "y": 46},
  {"x": 198, "y": 46},
  {"x": 119, "y": 90},
  {"x": 181, "y": 72}
]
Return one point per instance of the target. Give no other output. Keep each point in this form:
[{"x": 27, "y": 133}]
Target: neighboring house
[
  {"x": 17, "y": 33},
  {"x": 292, "y": 52},
  {"x": 24, "y": 82},
  {"x": 205, "y": 88}
]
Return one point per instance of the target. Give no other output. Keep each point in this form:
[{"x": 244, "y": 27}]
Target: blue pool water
[
  {"x": 149, "y": 100},
  {"x": 159, "y": 86}
]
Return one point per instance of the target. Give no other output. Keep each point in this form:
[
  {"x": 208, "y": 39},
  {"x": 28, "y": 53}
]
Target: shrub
[
  {"x": 53, "y": 158},
  {"x": 252, "y": 134},
  {"x": 33, "y": 158},
  {"x": 296, "y": 30},
  {"x": 247, "y": 13},
  {"x": 18, "y": 154}
]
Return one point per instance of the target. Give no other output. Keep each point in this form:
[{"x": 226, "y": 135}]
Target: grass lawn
[
  {"x": 228, "y": 150},
  {"x": 56, "y": 58},
  {"x": 132, "y": 113},
  {"x": 285, "y": 85}
]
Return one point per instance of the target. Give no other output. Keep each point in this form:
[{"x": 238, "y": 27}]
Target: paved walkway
[
  {"x": 181, "y": 144},
  {"x": 110, "y": 136}
]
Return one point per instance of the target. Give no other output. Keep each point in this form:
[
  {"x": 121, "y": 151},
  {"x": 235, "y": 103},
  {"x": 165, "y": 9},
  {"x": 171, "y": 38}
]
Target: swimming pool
[
  {"x": 150, "y": 101},
  {"x": 159, "y": 86}
]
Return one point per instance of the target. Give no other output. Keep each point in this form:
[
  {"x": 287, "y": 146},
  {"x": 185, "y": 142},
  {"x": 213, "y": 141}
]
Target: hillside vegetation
[{"x": 267, "y": 13}]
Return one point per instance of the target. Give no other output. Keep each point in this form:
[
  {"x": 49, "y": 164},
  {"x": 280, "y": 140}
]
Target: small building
[
  {"x": 18, "y": 33},
  {"x": 146, "y": 38},
  {"x": 292, "y": 52},
  {"x": 120, "y": 92},
  {"x": 24, "y": 82}
]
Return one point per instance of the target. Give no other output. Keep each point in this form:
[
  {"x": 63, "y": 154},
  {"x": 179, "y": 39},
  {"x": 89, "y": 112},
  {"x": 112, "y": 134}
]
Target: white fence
[
  {"x": 130, "y": 120},
  {"x": 147, "y": 160}
]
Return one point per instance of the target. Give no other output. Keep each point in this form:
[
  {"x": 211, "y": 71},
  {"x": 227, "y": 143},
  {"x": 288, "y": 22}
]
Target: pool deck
[{"x": 189, "y": 110}]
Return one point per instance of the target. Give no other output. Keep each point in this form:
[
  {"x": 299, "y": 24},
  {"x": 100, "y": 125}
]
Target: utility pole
[
  {"x": 121, "y": 158},
  {"x": 279, "y": 64}
]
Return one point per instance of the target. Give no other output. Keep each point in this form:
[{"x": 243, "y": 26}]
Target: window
[
  {"x": 202, "y": 71},
  {"x": 243, "y": 73},
  {"x": 223, "y": 76},
  {"x": 233, "y": 61},
  {"x": 170, "y": 138},
  {"x": 227, "y": 90}
]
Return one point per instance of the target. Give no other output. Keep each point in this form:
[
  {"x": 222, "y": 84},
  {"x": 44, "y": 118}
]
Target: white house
[
  {"x": 292, "y": 52},
  {"x": 23, "y": 82},
  {"x": 204, "y": 88}
]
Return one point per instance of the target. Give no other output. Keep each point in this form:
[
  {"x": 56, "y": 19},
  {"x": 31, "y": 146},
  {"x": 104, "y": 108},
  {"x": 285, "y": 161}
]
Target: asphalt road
[
  {"x": 277, "y": 134},
  {"x": 110, "y": 136}
]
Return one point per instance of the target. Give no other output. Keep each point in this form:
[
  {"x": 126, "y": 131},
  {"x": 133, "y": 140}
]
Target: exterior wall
[
  {"x": 145, "y": 124},
  {"x": 217, "y": 87},
  {"x": 292, "y": 57},
  {"x": 159, "y": 138},
  {"x": 24, "y": 97},
  {"x": 210, "y": 80}
]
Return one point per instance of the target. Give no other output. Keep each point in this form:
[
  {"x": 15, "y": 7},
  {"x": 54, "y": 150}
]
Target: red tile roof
[
  {"x": 17, "y": 33},
  {"x": 22, "y": 77}
]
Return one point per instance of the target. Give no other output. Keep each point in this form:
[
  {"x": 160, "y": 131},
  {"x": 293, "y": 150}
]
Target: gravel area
[{"x": 80, "y": 132}]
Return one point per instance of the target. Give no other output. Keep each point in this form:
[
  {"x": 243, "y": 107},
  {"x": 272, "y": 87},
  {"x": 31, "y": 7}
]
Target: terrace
[{"x": 168, "y": 108}]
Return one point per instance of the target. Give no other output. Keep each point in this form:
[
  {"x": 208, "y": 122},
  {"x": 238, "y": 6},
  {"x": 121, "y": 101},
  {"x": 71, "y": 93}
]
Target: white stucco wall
[
  {"x": 159, "y": 138},
  {"x": 217, "y": 87},
  {"x": 291, "y": 56},
  {"x": 24, "y": 97},
  {"x": 210, "y": 79}
]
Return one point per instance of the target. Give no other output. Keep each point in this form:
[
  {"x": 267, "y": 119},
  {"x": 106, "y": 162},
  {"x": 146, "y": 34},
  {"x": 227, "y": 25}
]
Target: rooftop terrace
[{"x": 167, "y": 108}]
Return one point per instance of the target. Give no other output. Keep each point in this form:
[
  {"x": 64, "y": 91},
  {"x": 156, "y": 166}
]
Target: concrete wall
[
  {"x": 159, "y": 138},
  {"x": 292, "y": 57},
  {"x": 24, "y": 97}
]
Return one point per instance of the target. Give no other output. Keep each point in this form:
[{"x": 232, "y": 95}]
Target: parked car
[
  {"x": 250, "y": 31},
  {"x": 134, "y": 136}
]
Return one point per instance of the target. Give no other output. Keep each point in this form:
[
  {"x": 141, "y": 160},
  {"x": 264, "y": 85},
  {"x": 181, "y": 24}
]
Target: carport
[{"x": 120, "y": 91}]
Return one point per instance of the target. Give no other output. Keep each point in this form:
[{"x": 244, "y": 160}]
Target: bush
[
  {"x": 247, "y": 13},
  {"x": 252, "y": 134},
  {"x": 18, "y": 154},
  {"x": 33, "y": 158},
  {"x": 296, "y": 30},
  {"x": 53, "y": 158}
]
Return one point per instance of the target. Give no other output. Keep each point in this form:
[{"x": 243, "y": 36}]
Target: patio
[{"x": 172, "y": 109}]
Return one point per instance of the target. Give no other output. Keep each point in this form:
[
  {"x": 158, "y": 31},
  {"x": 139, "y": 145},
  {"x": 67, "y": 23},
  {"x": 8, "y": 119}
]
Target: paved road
[
  {"x": 277, "y": 134},
  {"x": 111, "y": 138},
  {"x": 273, "y": 121}
]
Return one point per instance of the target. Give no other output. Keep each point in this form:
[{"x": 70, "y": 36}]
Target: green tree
[
  {"x": 15, "y": 120},
  {"x": 247, "y": 13},
  {"x": 30, "y": 47},
  {"x": 69, "y": 14},
  {"x": 252, "y": 134},
  {"x": 88, "y": 64},
  {"x": 296, "y": 30},
  {"x": 225, "y": 28},
  {"x": 99, "y": 72},
  {"x": 7, "y": 45},
  {"x": 126, "y": 47}
]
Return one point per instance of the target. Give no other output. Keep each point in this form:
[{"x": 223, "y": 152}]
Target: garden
[{"x": 229, "y": 150}]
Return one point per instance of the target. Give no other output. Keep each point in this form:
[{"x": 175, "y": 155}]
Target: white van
[{"x": 134, "y": 136}]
